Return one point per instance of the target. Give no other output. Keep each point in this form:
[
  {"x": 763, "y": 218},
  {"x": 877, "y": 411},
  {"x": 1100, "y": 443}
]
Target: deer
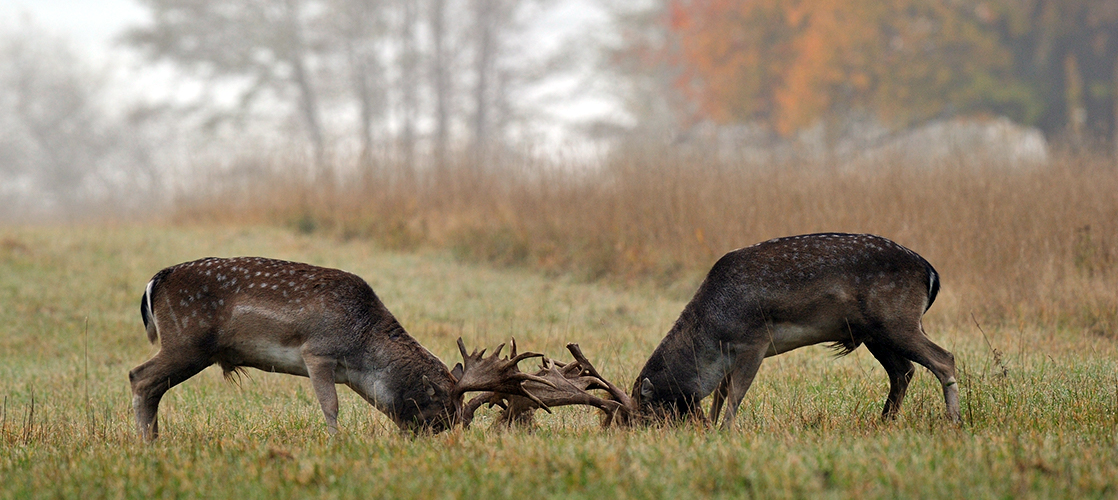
[
  {"x": 787, "y": 293},
  {"x": 316, "y": 322}
]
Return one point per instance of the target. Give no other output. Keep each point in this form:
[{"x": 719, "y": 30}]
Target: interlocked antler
[
  {"x": 495, "y": 374},
  {"x": 626, "y": 409},
  {"x": 569, "y": 384}
]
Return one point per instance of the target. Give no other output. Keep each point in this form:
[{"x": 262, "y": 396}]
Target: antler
[
  {"x": 495, "y": 374},
  {"x": 625, "y": 410},
  {"x": 569, "y": 385}
]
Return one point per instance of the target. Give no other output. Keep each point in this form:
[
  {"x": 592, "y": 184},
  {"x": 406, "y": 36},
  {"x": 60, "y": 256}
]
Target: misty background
[{"x": 128, "y": 107}]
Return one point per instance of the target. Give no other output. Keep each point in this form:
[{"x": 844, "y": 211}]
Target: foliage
[
  {"x": 1066, "y": 52},
  {"x": 791, "y": 64}
]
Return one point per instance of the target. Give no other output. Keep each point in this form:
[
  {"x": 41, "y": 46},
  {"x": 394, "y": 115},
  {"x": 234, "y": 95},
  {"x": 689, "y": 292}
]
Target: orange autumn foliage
[{"x": 788, "y": 63}]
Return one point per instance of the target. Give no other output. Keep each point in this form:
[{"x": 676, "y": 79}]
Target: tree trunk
[
  {"x": 308, "y": 103},
  {"x": 408, "y": 95},
  {"x": 483, "y": 62},
  {"x": 441, "y": 76}
]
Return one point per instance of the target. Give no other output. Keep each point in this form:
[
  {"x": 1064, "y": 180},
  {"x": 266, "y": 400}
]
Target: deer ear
[
  {"x": 457, "y": 372},
  {"x": 646, "y": 389},
  {"x": 430, "y": 387}
]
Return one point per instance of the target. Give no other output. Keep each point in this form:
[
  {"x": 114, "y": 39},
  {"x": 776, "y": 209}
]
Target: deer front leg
[
  {"x": 745, "y": 369},
  {"x": 321, "y": 372},
  {"x": 718, "y": 398}
]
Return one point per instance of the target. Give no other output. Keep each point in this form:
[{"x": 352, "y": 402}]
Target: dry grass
[{"x": 1013, "y": 247}]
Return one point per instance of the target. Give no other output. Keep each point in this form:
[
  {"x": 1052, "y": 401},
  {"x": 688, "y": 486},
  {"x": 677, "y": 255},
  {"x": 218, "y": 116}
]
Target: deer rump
[{"x": 782, "y": 294}]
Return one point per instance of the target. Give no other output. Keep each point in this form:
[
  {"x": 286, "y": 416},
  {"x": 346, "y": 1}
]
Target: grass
[{"x": 1040, "y": 401}]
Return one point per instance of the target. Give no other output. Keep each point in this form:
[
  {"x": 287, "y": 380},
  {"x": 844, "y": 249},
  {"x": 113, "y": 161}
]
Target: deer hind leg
[
  {"x": 900, "y": 372},
  {"x": 321, "y": 372},
  {"x": 917, "y": 347},
  {"x": 738, "y": 382},
  {"x": 150, "y": 381}
]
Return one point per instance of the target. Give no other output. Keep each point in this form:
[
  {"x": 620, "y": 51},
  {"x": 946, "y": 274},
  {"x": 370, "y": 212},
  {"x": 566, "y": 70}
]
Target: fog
[{"x": 123, "y": 107}]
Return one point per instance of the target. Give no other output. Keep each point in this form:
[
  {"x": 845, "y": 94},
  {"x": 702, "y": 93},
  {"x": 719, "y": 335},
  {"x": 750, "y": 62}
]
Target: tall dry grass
[{"x": 1029, "y": 246}]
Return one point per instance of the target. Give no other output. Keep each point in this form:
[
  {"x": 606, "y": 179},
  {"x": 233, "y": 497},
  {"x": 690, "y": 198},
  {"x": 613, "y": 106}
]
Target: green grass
[{"x": 1040, "y": 406}]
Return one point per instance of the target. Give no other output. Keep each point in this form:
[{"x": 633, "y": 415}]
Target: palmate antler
[
  {"x": 567, "y": 384},
  {"x": 495, "y": 374},
  {"x": 625, "y": 410}
]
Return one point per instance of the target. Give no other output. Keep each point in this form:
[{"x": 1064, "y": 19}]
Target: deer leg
[
  {"x": 739, "y": 380},
  {"x": 917, "y": 347},
  {"x": 321, "y": 372},
  {"x": 900, "y": 372},
  {"x": 718, "y": 398},
  {"x": 150, "y": 381}
]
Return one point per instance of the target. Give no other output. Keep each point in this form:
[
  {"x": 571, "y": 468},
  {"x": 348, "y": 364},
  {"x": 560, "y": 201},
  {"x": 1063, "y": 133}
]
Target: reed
[{"x": 1034, "y": 245}]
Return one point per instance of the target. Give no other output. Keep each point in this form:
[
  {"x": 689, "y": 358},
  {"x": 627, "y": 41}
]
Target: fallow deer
[
  {"x": 786, "y": 293},
  {"x": 321, "y": 323}
]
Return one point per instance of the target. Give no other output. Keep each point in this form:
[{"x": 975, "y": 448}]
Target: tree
[
  {"x": 359, "y": 29},
  {"x": 260, "y": 47},
  {"x": 791, "y": 63},
  {"x": 1066, "y": 51},
  {"x": 60, "y": 146},
  {"x": 440, "y": 72}
]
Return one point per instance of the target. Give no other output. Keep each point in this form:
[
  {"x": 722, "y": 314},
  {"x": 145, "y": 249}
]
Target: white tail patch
[
  {"x": 148, "y": 313},
  {"x": 147, "y": 297}
]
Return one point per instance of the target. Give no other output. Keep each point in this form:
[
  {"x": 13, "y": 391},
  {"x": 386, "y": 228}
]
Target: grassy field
[{"x": 1040, "y": 403}]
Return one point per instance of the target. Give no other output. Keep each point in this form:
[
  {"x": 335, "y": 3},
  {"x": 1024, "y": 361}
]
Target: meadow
[{"x": 1029, "y": 263}]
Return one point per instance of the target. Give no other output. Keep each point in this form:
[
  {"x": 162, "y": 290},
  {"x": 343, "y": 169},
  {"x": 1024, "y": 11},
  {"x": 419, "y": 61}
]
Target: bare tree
[
  {"x": 296, "y": 55},
  {"x": 408, "y": 61},
  {"x": 486, "y": 13},
  {"x": 361, "y": 31},
  {"x": 440, "y": 80},
  {"x": 61, "y": 148},
  {"x": 260, "y": 47}
]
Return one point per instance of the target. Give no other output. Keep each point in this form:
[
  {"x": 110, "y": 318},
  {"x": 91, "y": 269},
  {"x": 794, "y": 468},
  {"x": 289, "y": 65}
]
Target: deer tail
[
  {"x": 146, "y": 312},
  {"x": 933, "y": 285}
]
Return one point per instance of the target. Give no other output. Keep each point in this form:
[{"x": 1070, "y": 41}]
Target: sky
[{"x": 91, "y": 25}]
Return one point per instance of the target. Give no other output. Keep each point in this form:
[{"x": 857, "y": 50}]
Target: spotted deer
[
  {"x": 786, "y": 293},
  {"x": 316, "y": 322}
]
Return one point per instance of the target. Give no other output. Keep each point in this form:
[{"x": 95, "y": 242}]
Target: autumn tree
[
  {"x": 1066, "y": 52},
  {"x": 790, "y": 63}
]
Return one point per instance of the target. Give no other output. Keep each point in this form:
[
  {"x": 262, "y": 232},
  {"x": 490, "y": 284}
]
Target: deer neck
[{"x": 396, "y": 368}]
